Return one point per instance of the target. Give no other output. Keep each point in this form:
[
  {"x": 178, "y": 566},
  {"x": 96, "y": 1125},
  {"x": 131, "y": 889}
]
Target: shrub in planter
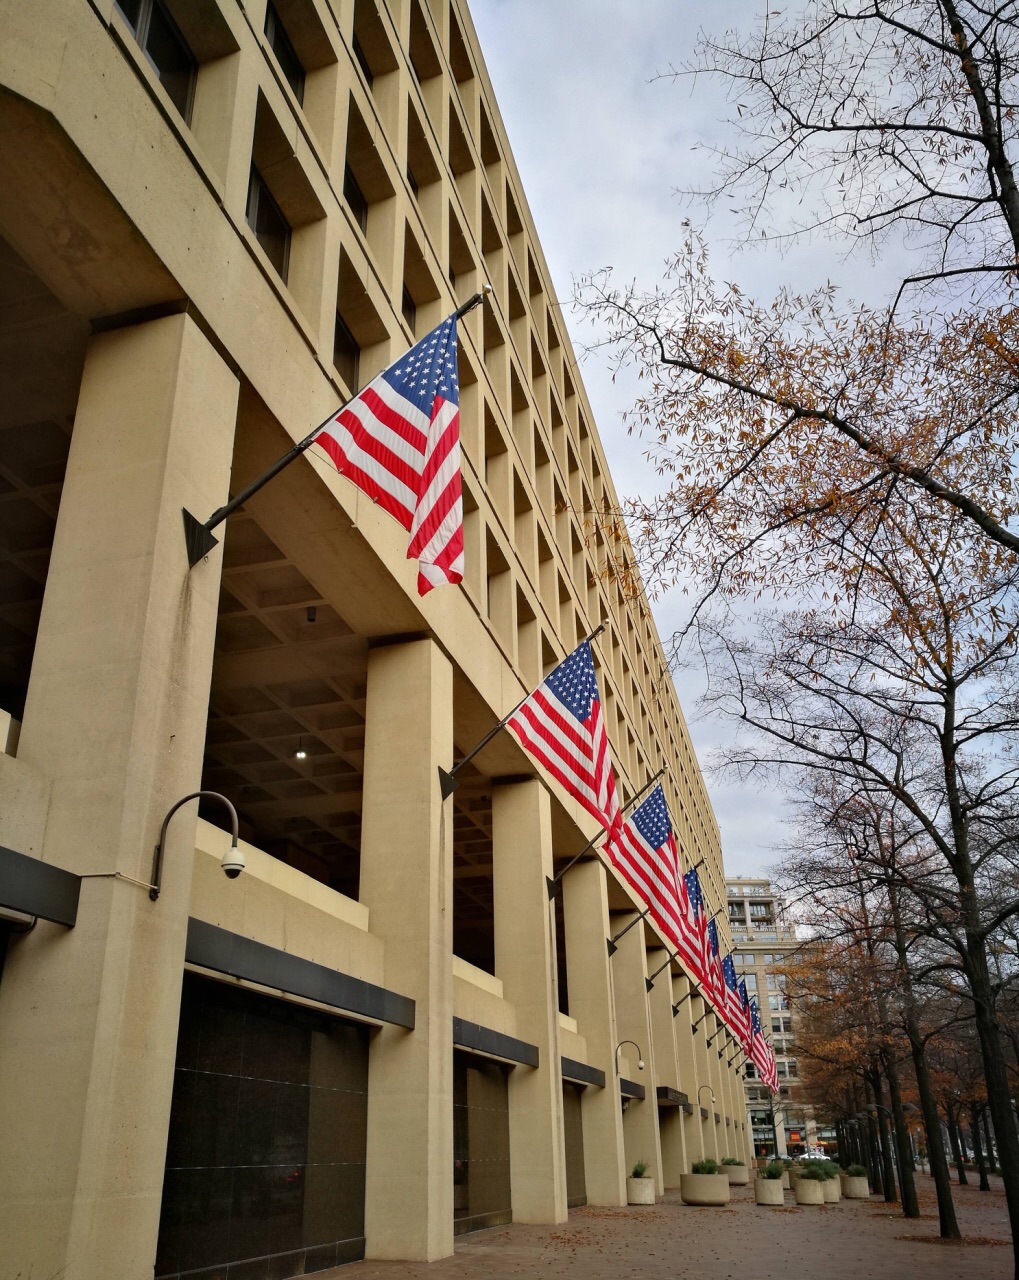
[
  {"x": 736, "y": 1171},
  {"x": 857, "y": 1187},
  {"x": 809, "y": 1187},
  {"x": 640, "y": 1189},
  {"x": 769, "y": 1184},
  {"x": 704, "y": 1185}
]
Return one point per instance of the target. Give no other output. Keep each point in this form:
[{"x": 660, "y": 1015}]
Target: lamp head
[{"x": 233, "y": 862}]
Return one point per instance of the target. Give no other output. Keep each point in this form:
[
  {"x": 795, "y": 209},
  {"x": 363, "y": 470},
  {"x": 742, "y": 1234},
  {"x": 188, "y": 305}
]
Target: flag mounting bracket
[
  {"x": 198, "y": 539},
  {"x": 649, "y": 981},
  {"x": 612, "y": 941}
]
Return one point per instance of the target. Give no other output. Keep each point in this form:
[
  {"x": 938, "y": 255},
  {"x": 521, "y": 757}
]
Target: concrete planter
[
  {"x": 640, "y": 1190},
  {"x": 857, "y": 1189},
  {"x": 738, "y": 1174},
  {"x": 809, "y": 1191},
  {"x": 832, "y": 1194},
  {"x": 704, "y": 1188},
  {"x": 768, "y": 1191},
  {"x": 786, "y": 1184}
]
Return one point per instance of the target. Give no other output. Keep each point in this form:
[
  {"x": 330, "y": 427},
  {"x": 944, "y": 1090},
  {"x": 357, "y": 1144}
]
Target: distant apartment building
[{"x": 762, "y": 939}]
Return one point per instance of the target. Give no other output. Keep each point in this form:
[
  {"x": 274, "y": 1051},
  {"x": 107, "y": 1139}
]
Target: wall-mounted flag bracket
[
  {"x": 612, "y": 941},
  {"x": 694, "y": 991},
  {"x": 649, "y": 981}
]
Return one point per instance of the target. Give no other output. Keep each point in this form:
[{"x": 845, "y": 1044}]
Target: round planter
[
  {"x": 786, "y": 1184},
  {"x": 738, "y": 1174},
  {"x": 832, "y": 1194},
  {"x": 704, "y": 1188},
  {"x": 640, "y": 1190},
  {"x": 809, "y": 1191},
  {"x": 768, "y": 1191},
  {"x": 857, "y": 1188}
]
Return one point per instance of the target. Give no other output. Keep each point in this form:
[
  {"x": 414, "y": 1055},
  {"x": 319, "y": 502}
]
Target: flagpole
[
  {"x": 612, "y": 941},
  {"x": 649, "y": 981},
  {"x": 694, "y": 991},
  {"x": 447, "y": 778},
  {"x": 555, "y": 883},
  {"x": 198, "y": 537}
]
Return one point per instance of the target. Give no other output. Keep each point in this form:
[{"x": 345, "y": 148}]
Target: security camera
[
  {"x": 233, "y": 862},
  {"x": 640, "y": 1064}
]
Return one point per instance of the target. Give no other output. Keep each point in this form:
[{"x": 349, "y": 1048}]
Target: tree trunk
[
  {"x": 978, "y": 1153},
  {"x": 948, "y": 1223},
  {"x": 887, "y": 1162},
  {"x": 907, "y": 1185},
  {"x": 953, "y": 1138},
  {"x": 988, "y": 1142}
]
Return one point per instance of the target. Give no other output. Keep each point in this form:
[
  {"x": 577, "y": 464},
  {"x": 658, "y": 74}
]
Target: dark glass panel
[
  {"x": 266, "y": 220},
  {"x": 355, "y": 199},
  {"x": 346, "y": 354},
  {"x": 573, "y": 1126},
  {"x": 174, "y": 62},
  {"x": 286, "y": 54}
]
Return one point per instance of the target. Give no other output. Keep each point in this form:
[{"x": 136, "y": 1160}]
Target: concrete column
[
  {"x": 713, "y": 1077},
  {"x": 670, "y": 1119},
  {"x": 407, "y": 885},
  {"x": 702, "y": 1072},
  {"x": 525, "y": 961},
  {"x": 686, "y": 1060},
  {"x": 115, "y": 717},
  {"x": 586, "y": 912},
  {"x": 633, "y": 1020}
]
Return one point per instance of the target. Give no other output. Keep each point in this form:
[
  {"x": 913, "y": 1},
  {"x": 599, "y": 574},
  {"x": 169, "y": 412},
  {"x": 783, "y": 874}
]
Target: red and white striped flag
[
  {"x": 398, "y": 440},
  {"x": 643, "y": 848},
  {"x": 560, "y": 725}
]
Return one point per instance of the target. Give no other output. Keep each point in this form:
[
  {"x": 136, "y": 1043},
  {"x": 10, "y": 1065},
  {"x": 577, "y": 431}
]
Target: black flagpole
[
  {"x": 555, "y": 883},
  {"x": 198, "y": 537},
  {"x": 612, "y": 941},
  {"x": 447, "y": 778},
  {"x": 649, "y": 981}
]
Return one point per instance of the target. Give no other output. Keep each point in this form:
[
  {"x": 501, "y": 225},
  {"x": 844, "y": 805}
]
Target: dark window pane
[
  {"x": 409, "y": 308},
  {"x": 132, "y": 10},
  {"x": 362, "y": 62},
  {"x": 286, "y": 54},
  {"x": 265, "y": 218},
  {"x": 354, "y": 197},
  {"x": 346, "y": 355},
  {"x": 168, "y": 52}
]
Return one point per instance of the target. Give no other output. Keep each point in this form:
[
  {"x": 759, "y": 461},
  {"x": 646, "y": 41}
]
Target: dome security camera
[
  {"x": 640, "y": 1064},
  {"x": 233, "y": 862}
]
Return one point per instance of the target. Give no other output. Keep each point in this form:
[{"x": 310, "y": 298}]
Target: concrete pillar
[
  {"x": 586, "y": 915},
  {"x": 671, "y": 1128},
  {"x": 525, "y": 961},
  {"x": 633, "y": 1021},
  {"x": 702, "y": 1074},
  {"x": 686, "y": 1059},
  {"x": 407, "y": 885},
  {"x": 115, "y": 716}
]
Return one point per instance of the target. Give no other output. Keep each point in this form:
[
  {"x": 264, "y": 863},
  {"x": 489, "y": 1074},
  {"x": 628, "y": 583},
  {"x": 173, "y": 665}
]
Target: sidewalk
[{"x": 853, "y": 1240}]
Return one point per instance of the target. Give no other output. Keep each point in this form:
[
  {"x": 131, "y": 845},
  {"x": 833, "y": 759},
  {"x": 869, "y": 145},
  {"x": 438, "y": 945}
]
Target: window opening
[
  {"x": 165, "y": 49},
  {"x": 286, "y": 54},
  {"x": 266, "y": 220}
]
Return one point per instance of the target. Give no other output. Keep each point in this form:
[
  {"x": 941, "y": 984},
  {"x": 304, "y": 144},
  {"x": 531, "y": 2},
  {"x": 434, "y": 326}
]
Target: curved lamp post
[{"x": 233, "y": 859}]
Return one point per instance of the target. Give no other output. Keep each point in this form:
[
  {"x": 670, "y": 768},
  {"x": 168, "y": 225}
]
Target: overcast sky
[{"x": 602, "y": 143}]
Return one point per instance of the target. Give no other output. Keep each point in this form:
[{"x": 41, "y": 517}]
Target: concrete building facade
[{"x": 220, "y": 219}]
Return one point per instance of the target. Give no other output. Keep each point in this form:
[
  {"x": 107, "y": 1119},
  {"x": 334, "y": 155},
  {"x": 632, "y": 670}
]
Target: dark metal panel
[
  {"x": 630, "y": 1088},
  {"x": 468, "y": 1035},
  {"x": 669, "y": 1097},
  {"x": 38, "y": 888},
  {"x": 581, "y": 1073},
  {"x": 225, "y": 952}
]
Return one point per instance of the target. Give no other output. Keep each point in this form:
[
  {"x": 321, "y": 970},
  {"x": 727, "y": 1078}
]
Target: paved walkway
[{"x": 853, "y": 1240}]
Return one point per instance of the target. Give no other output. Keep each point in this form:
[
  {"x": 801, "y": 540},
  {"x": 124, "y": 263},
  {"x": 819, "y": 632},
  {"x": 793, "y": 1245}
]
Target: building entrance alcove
[{"x": 481, "y": 1154}]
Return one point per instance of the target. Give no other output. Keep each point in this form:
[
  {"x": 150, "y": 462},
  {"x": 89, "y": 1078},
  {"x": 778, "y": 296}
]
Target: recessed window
[
  {"x": 346, "y": 354},
  {"x": 166, "y": 50},
  {"x": 286, "y": 54},
  {"x": 409, "y": 308},
  {"x": 362, "y": 62},
  {"x": 266, "y": 220},
  {"x": 354, "y": 196}
]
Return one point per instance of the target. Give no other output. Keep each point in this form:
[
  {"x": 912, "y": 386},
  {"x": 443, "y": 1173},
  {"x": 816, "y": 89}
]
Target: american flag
[
  {"x": 643, "y": 848},
  {"x": 715, "y": 976},
  {"x": 736, "y": 1018},
  {"x": 399, "y": 442},
  {"x": 760, "y": 1051},
  {"x": 694, "y": 927},
  {"x": 560, "y": 725},
  {"x": 744, "y": 1000}
]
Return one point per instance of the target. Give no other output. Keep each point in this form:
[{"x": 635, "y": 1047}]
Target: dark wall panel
[
  {"x": 573, "y": 1125},
  {"x": 266, "y": 1150},
  {"x": 481, "y": 1159}
]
